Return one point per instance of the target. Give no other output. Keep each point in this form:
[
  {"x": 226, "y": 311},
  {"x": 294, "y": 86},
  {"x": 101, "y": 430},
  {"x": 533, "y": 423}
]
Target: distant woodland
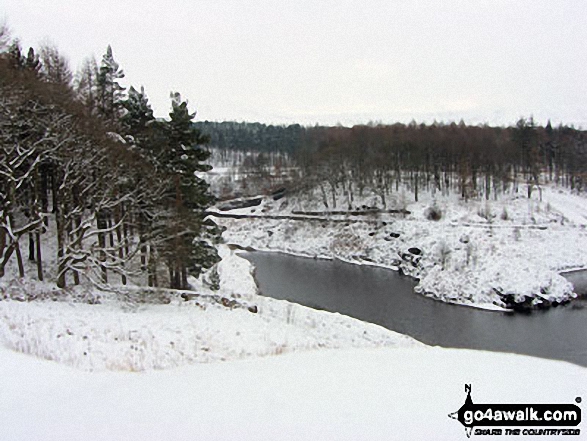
[{"x": 474, "y": 161}]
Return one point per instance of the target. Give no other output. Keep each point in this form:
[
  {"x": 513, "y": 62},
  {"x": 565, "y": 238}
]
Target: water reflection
[{"x": 384, "y": 297}]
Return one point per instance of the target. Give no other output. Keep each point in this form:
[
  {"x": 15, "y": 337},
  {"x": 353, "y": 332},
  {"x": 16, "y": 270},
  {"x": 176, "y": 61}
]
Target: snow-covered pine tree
[
  {"x": 110, "y": 97},
  {"x": 144, "y": 134},
  {"x": 110, "y": 92},
  {"x": 186, "y": 155},
  {"x": 214, "y": 279},
  {"x": 138, "y": 117},
  {"x": 191, "y": 245}
]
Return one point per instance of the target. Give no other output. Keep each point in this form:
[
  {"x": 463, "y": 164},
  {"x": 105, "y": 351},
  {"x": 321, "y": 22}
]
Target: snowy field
[
  {"x": 352, "y": 394},
  {"x": 211, "y": 369},
  {"x": 478, "y": 252},
  {"x": 132, "y": 336}
]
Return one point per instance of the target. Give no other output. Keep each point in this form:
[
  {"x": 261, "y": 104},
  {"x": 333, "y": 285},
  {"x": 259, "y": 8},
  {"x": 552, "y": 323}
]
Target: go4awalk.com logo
[{"x": 518, "y": 419}]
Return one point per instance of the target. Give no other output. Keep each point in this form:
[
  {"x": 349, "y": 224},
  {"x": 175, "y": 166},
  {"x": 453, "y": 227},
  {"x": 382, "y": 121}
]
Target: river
[{"x": 384, "y": 297}]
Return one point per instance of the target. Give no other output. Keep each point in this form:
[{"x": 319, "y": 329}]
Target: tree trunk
[
  {"x": 2, "y": 250},
  {"x": 31, "y": 247},
  {"x": 171, "y": 276},
  {"x": 39, "y": 258},
  {"x": 102, "y": 244},
  {"x": 184, "y": 278},
  {"x": 19, "y": 260},
  {"x": 120, "y": 250},
  {"x": 177, "y": 279},
  {"x": 60, "y": 250}
]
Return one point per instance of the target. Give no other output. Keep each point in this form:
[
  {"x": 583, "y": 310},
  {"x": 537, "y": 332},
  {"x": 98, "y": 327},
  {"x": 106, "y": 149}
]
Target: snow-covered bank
[
  {"x": 353, "y": 394},
  {"x": 479, "y": 253},
  {"x": 377, "y": 384},
  {"x": 131, "y": 336}
]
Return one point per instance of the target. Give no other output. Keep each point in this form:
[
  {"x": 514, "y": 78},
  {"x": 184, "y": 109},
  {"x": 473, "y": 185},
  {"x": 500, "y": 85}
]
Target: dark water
[
  {"x": 579, "y": 281},
  {"x": 384, "y": 297}
]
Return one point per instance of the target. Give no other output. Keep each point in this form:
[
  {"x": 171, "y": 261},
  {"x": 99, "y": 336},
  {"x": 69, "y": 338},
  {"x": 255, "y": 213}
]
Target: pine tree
[
  {"x": 140, "y": 130},
  {"x": 15, "y": 57},
  {"x": 214, "y": 279},
  {"x": 193, "y": 238},
  {"x": 110, "y": 92},
  {"x": 86, "y": 85},
  {"x": 138, "y": 116},
  {"x": 186, "y": 155},
  {"x": 32, "y": 62}
]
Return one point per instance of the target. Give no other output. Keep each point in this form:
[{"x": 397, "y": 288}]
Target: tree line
[
  {"x": 94, "y": 184},
  {"x": 253, "y": 136},
  {"x": 475, "y": 161}
]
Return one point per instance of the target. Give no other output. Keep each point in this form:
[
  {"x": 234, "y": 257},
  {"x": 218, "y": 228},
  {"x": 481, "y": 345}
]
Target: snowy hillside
[
  {"x": 353, "y": 394},
  {"x": 234, "y": 323},
  {"x": 213, "y": 368},
  {"x": 481, "y": 253}
]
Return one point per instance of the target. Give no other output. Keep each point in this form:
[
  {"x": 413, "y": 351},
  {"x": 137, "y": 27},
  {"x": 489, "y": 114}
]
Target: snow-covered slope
[
  {"x": 211, "y": 327},
  {"x": 355, "y": 394},
  {"x": 78, "y": 379},
  {"x": 480, "y": 253}
]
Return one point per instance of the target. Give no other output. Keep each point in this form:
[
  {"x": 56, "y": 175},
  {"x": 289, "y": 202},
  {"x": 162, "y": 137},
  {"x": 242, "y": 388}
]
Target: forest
[
  {"x": 474, "y": 161},
  {"x": 92, "y": 185}
]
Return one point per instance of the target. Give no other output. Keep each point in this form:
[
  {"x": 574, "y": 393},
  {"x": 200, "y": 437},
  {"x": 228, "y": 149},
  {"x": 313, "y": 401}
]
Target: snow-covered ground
[
  {"x": 132, "y": 336},
  {"x": 476, "y": 253},
  {"x": 211, "y": 368},
  {"x": 231, "y": 364},
  {"x": 352, "y": 394}
]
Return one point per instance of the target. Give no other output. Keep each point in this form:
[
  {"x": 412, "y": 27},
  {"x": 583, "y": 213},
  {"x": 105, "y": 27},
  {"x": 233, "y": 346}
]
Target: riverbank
[
  {"x": 499, "y": 254},
  {"x": 135, "y": 331},
  {"x": 231, "y": 364},
  {"x": 386, "y": 298}
]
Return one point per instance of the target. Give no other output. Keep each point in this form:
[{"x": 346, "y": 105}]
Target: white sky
[{"x": 330, "y": 61}]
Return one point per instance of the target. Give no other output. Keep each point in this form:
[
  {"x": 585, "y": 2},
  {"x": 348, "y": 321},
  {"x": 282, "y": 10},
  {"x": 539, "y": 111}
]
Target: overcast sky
[{"x": 328, "y": 62}]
